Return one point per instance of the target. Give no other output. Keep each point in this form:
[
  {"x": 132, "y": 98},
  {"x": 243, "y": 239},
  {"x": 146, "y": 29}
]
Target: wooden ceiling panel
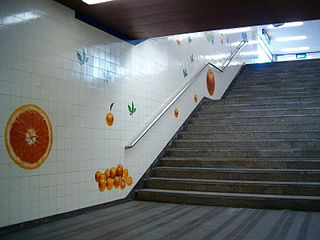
[{"x": 139, "y": 19}]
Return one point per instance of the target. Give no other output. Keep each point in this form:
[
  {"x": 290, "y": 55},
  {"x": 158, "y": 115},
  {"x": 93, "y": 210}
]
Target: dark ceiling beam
[{"x": 140, "y": 19}]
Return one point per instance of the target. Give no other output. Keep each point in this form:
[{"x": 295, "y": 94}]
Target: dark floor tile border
[{"x": 37, "y": 222}]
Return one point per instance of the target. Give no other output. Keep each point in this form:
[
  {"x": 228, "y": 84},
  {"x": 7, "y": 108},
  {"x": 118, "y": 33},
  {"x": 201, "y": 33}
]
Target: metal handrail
[
  {"x": 238, "y": 48},
  {"x": 226, "y": 63},
  {"x": 266, "y": 52}
]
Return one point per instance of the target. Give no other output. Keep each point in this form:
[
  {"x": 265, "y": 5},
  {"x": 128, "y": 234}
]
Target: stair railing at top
[{"x": 224, "y": 66}]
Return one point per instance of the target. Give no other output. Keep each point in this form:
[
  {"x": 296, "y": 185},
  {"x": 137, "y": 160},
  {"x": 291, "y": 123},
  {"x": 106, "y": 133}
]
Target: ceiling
[{"x": 140, "y": 19}]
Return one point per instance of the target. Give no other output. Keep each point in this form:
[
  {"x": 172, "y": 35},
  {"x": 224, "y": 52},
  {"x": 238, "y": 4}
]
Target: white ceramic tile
[{"x": 39, "y": 65}]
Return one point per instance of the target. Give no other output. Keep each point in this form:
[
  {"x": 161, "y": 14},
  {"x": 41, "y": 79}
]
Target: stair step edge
[
  {"x": 238, "y": 169},
  {"x": 242, "y": 159},
  {"x": 241, "y": 149},
  {"x": 238, "y": 195},
  {"x": 247, "y": 140},
  {"x": 252, "y": 131},
  {"x": 235, "y": 181}
]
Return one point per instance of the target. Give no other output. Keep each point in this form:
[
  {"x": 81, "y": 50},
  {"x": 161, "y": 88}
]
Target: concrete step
[
  {"x": 265, "y": 88},
  {"x": 282, "y": 71},
  {"x": 303, "y": 63},
  {"x": 287, "y": 65},
  {"x": 231, "y": 127},
  {"x": 281, "y": 66},
  {"x": 270, "y": 100},
  {"x": 253, "y": 95},
  {"x": 257, "y": 120},
  {"x": 244, "y": 153},
  {"x": 262, "y": 163},
  {"x": 277, "y": 89},
  {"x": 259, "y": 112},
  {"x": 270, "y": 97},
  {"x": 311, "y": 203},
  {"x": 249, "y": 135},
  {"x": 275, "y": 74},
  {"x": 269, "y": 144},
  {"x": 249, "y": 174},
  {"x": 235, "y": 186},
  {"x": 257, "y": 147},
  {"x": 252, "y": 106},
  {"x": 289, "y": 78}
]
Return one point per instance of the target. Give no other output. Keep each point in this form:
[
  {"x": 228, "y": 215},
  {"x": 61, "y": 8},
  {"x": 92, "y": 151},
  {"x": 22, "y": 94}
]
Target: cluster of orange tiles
[{"x": 115, "y": 177}]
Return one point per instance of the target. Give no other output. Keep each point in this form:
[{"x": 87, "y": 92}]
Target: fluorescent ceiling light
[
  {"x": 284, "y": 39},
  {"x": 90, "y": 2},
  {"x": 295, "y": 49},
  {"x": 291, "y": 24},
  {"x": 235, "y": 30}
]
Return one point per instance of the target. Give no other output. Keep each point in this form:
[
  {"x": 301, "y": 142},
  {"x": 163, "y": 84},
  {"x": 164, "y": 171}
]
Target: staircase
[{"x": 258, "y": 147}]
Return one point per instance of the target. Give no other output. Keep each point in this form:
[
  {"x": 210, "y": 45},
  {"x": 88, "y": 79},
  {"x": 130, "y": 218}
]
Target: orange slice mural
[
  {"x": 210, "y": 82},
  {"x": 28, "y": 136}
]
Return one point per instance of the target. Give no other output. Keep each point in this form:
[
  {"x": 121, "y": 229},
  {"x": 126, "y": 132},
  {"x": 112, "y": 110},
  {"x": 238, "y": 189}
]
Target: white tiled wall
[{"x": 38, "y": 65}]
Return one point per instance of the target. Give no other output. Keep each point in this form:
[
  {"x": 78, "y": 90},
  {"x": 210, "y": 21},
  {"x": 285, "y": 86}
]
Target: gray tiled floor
[{"x": 151, "y": 220}]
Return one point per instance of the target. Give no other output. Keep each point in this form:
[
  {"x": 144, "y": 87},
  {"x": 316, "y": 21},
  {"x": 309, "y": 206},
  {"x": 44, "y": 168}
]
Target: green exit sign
[{"x": 301, "y": 56}]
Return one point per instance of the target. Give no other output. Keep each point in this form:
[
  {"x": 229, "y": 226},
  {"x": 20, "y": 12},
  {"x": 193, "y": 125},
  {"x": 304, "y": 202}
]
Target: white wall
[{"x": 38, "y": 65}]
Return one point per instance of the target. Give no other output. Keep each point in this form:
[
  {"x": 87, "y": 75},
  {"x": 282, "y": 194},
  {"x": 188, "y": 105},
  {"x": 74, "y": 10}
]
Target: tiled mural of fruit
[
  {"x": 82, "y": 58},
  {"x": 115, "y": 177},
  {"x": 176, "y": 112},
  {"x": 132, "y": 109},
  {"x": 195, "y": 98},
  {"x": 28, "y": 136},
  {"x": 123, "y": 183},
  {"x": 210, "y": 37},
  {"x": 102, "y": 185},
  {"x": 119, "y": 170},
  {"x": 129, "y": 180},
  {"x": 191, "y": 58},
  {"x": 110, "y": 117},
  {"x": 210, "y": 82},
  {"x": 116, "y": 182},
  {"x": 109, "y": 183},
  {"x": 184, "y": 72},
  {"x": 113, "y": 171}
]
